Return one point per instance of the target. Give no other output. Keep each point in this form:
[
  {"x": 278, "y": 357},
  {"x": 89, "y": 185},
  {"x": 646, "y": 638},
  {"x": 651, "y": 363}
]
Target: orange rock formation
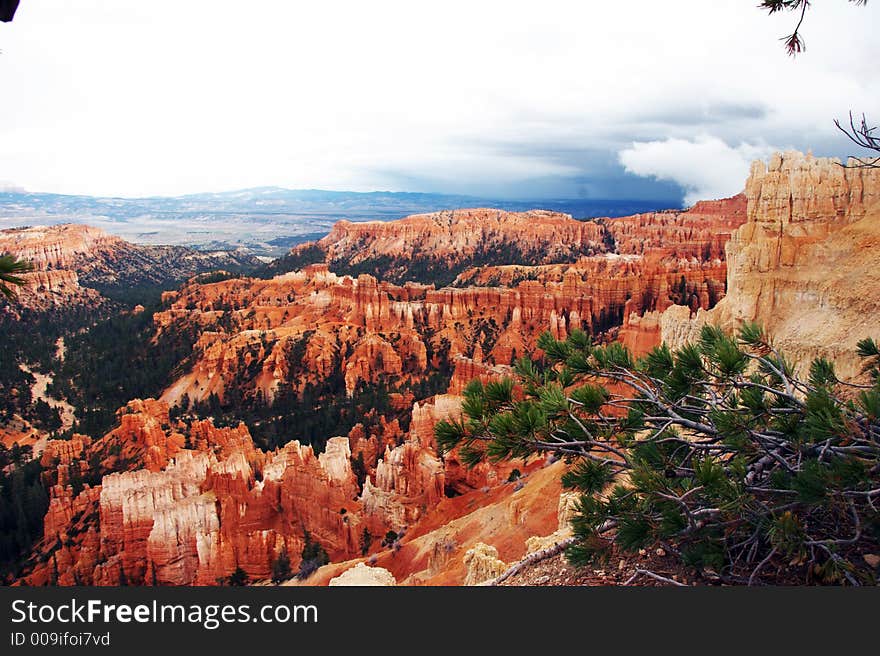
[
  {"x": 187, "y": 502},
  {"x": 69, "y": 258},
  {"x": 458, "y": 236}
]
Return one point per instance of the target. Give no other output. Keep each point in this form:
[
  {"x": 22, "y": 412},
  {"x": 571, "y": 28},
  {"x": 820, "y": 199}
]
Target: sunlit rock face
[
  {"x": 805, "y": 265},
  {"x": 71, "y": 258},
  {"x": 306, "y": 326},
  {"x": 184, "y": 501}
]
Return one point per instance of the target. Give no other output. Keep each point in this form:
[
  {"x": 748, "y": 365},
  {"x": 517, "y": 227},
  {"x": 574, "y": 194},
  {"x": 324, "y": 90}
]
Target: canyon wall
[
  {"x": 54, "y": 283},
  {"x": 170, "y": 498},
  {"x": 58, "y": 247},
  {"x": 425, "y": 245},
  {"x": 700, "y": 232},
  {"x": 304, "y": 326},
  {"x": 265, "y": 336},
  {"x": 70, "y": 258},
  {"x": 804, "y": 265},
  {"x": 436, "y": 247},
  {"x": 186, "y": 503}
]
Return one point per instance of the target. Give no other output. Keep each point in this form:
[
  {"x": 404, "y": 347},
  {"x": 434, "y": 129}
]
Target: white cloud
[
  {"x": 7, "y": 187},
  {"x": 705, "y": 167},
  {"x": 172, "y": 97}
]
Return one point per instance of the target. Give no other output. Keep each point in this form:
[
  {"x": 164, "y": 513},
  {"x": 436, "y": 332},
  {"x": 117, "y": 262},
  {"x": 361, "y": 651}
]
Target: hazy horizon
[
  {"x": 266, "y": 220},
  {"x": 637, "y": 100},
  {"x": 14, "y": 189}
]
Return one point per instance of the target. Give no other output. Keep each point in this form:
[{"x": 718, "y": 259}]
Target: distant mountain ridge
[
  {"x": 265, "y": 220},
  {"x": 439, "y": 246}
]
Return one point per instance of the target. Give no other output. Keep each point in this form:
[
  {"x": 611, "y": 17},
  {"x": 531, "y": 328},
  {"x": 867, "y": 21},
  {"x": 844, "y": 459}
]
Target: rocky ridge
[
  {"x": 70, "y": 260},
  {"x": 302, "y": 326},
  {"x": 186, "y": 501},
  {"x": 436, "y": 247}
]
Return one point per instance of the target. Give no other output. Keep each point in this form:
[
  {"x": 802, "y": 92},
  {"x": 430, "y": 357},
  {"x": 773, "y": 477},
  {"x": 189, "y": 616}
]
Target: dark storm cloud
[
  {"x": 595, "y": 174},
  {"x": 485, "y": 98},
  {"x": 700, "y": 114}
]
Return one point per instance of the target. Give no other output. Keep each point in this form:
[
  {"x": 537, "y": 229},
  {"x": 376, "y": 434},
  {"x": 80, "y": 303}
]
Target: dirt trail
[
  {"x": 21, "y": 431},
  {"x": 38, "y": 391}
]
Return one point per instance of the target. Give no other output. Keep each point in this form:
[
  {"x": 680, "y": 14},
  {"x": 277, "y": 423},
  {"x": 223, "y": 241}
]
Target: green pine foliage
[
  {"x": 29, "y": 338},
  {"x": 870, "y": 353},
  {"x": 281, "y": 570},
  {"x": 23, "y": 503},
  {"x": 313, "y": 556},
  {"x": 366, "y": 541},
  {"x": 10, "y": 278},
  {"x": 238, "y": 578},
  {"x": 119, "y": 359},
  {"x": 429, "y": 268},
  {"x": 718, "y": 452}
]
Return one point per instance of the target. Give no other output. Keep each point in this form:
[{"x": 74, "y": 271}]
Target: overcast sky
[{"x": 640, "y": 99}]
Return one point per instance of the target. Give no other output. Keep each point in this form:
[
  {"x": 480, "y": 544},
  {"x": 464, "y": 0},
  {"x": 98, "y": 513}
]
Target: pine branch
[
  {"x": 656, "y": 577},
  {"x": 531, "y": 559}
]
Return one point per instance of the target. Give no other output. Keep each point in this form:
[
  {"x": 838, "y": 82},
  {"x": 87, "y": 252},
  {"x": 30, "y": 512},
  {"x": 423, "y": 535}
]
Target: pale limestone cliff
[
  {"x": 565, "y": 510},
  {"x": 482, "y": 564},
  {"x": 806, "y": 265},
  {"x": 362, "y": 575}
]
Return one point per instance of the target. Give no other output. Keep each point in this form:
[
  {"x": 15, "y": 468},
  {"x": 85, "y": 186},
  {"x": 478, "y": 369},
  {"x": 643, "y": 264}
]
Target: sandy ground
[{"x": 26, "y": 434}]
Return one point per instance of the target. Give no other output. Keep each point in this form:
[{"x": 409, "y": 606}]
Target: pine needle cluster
[{"x": 719, "y": 452}]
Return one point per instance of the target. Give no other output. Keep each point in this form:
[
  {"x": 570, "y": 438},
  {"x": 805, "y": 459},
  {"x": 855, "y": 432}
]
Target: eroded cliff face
[
  {"x": 805, "y": 264},
  {"x": 186, "y": 503},
  {"x": 172, "y": 499},
  {"x": 505, "y": 515},
  {"x": 429, "y": 247},
  {"x": 265, "y": 336},
  {"x": 426, "y": 246},
  {"x": 58, "y": 247},
  {"x": 54, "y": 252},
  {"x": 69, "y": 259},
  {"x": 700, "y": 232}
]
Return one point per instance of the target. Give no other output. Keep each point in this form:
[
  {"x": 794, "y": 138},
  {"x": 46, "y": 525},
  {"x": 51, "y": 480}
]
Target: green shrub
[{"x": 719, "y": 452}]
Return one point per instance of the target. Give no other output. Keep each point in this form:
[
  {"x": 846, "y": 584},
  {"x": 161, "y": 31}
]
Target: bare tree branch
[
  {"x": 864, "y": 137},
  {"x": 656, "y": 577}
]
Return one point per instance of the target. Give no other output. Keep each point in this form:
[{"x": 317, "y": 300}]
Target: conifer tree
[
  {"x": 313, "y": 556},
  {"x": 281, "y": 567},
  {"x": 10, "y": 270},
  {"x": 718, "y": 452},
  {"x": 366, "y": 541},
  {"x": 238, "y": 578}
]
